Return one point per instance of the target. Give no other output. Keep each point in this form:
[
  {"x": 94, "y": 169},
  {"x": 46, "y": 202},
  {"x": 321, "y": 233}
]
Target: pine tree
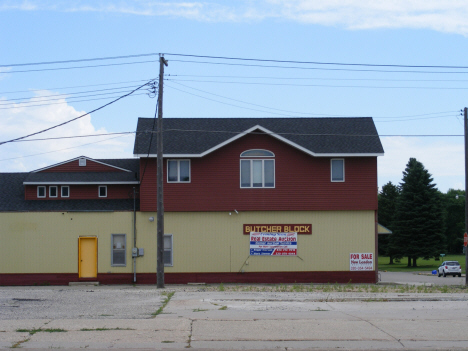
[
  {"x": 419, "y": 218},
  {"x": 388, "y": 198}
]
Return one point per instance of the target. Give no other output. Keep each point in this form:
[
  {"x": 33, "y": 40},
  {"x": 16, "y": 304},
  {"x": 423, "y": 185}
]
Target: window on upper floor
[
  {"x": 257, "y": 169},
  {"x": 53, "y": 191},
  {"x": 65, "y": 191},
  {"x": 337, "y": 170},
  {"x": 102, "y": 191},
  {"x": 41, "y": 191},
  {"x": 178, "y": 171}
]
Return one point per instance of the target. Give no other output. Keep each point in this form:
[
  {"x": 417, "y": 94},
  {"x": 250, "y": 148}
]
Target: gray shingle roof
[{"x": 320, "y": 136}]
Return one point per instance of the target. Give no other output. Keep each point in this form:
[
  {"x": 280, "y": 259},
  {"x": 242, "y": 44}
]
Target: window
[
  {"x": 103, "y": 191},
  {"x": 119, "y": 252},
  {"x": 257, "y": 173},
  {"x": 41, "y": 191},
  {"x": 81, "y": 162},
  {"x": 178, "y": 171},
  {"x": 337, "y": 170},
  {"x": 168, "y": 250},
  {"x": 65, "y": 191},
  {"x": 53, "y": 191}
]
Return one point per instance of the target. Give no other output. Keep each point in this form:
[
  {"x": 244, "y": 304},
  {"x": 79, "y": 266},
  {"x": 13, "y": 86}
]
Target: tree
[
  {"x": 454, "y": 214},
  {"x": 388, "y": 198},
  {"x": 419, "y": 217}
]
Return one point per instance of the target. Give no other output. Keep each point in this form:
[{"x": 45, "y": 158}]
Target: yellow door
[{"x": 87, "y": 256}]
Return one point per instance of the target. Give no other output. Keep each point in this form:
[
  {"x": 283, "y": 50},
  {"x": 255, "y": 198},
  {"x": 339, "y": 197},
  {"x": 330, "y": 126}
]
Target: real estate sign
[
  {"x": 361, "y": 261},
  {"x": 273, "y": 244}
]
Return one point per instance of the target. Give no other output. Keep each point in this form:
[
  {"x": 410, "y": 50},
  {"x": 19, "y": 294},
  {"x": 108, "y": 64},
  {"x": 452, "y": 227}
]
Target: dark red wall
[
  {"x": 114, "y": 191},
  {"x": 91, "y": 166},
  {"x": 302, "y": 182}
]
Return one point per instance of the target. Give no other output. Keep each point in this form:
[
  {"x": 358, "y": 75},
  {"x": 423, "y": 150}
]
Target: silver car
[{"x": 449, "y": 268}]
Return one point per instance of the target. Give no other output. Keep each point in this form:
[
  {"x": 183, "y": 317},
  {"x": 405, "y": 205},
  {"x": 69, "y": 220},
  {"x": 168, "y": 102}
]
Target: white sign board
[
  {"x": 361, "y": 262},
  {"x": 273, "y": 244}
]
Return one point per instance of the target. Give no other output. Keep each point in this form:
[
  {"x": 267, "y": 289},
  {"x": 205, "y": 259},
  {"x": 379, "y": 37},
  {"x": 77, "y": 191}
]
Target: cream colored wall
[
  {"x": 47, "y": 242},
  {"x": 213, "y": 242}
]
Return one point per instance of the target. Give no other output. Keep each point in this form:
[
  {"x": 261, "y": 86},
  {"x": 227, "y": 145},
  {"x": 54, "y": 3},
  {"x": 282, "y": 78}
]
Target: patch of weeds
[
  {"x": 45, "y": 283},
  {"x": 106, "y": 315},
  {"x": 167, "y": 342},
  {"x": 318, "y": 309},
  {"x": 165, "y": 302},
  {"x": 221, "y": 287},
  {"x": 104, "y": 329},
  {"x": 18, "y": 344},
  {"x": 34, "y": 330},
  {"x": 222, "y": 308},
  {"x": 199, "y": 310},
  {"x": 374, "y": 289}
]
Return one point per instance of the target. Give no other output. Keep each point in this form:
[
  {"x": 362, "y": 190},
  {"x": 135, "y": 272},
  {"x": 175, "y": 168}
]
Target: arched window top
[{"x": 257, "y": 153}]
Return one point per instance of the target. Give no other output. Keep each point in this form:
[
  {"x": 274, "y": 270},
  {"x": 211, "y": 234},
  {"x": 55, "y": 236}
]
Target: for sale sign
[
  {"x": 273, "y": 244},
  {"x": 361, "y": 261}
]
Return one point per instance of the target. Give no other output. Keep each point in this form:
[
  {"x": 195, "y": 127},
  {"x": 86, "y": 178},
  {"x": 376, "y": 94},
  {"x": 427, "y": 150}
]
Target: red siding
[
  {"x": 115, "y": 191},
  {"x": 91, "y": 166},
  {"x": 302, "y": 182},
  {"x": 184, "y": 278}
]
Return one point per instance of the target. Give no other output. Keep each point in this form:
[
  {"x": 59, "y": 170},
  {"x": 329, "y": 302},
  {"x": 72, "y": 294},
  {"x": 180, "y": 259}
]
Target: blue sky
[{"x": 416, "y": 101}]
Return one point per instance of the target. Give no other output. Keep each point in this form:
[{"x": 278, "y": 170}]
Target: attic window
[
  {"x": 82, "y": 162},
  {"x": 257, "y": 153}
]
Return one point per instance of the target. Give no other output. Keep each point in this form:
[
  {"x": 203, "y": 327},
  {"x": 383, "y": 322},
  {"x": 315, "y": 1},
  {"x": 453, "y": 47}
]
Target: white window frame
[
  {"x": 82, "y": 162},
  {"x": 50, "y": 191},
  {"x": 124, "y": 249},
  {"x": 331, "y": 170},
  {"x": 178, "y": 171},
  {"x": 45, "y": 191},
  {"x": 171, "y": 249},
  {"x": 64, "y": 187},
  {"x": 99, "y": 190},
  {"x": 263, "y": 173}
]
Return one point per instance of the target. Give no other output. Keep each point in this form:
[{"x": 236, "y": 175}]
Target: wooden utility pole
[
  {"x": 160, "y": 203},
  {"x": 465, "y": 118}
]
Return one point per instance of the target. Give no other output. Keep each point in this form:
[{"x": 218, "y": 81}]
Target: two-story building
[{"x": 223, "y": 179}]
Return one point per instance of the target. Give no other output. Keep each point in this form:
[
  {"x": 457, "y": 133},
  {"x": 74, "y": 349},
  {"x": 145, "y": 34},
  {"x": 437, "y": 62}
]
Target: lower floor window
[
  {"x": 168, "y": 250},
  {"x": 119, "y": 252}
]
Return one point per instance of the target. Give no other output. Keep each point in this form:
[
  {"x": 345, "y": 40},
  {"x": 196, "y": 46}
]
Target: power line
[
  {"x": 76, "y": 86},
  {"x": 319, "y": 68},
  {"x": 75, "y": 67},
  {"x": 78, "y": 60},
  {"x": 74, "y": 119},
  {"x": 317, "y": 85},
  {"x": 75, "y": 136},
  {"x": 317, "y": 62}
]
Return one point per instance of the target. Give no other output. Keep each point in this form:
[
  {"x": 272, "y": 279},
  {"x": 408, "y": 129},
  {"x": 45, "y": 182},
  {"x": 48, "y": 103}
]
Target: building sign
[
  {"x": 273, "y": 244},
  {"x": 361, "y": 262},
  {"x": 278, "y": 228}
]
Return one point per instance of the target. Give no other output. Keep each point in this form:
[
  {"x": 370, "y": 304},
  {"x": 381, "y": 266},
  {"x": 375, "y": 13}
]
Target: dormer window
[
  {"x": 82, "y": 162},
  {"x": 257, "y": 169}
]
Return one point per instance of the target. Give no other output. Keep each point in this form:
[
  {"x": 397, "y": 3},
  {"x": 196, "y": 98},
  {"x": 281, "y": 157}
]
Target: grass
[
  {"x": 423, "y": 265},
  {"x": 104, "y": 329},
  {"x": 165, "y": 302},
  {"x": 34, "y": 330},
  {"x": 199, "y": 310},
  {"x": 222, "y": 308}
]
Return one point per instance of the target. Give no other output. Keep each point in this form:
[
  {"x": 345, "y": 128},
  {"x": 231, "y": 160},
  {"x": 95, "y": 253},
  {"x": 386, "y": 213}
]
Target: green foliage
[
  {"x": 423, "y": 265},
  {"x": 388, "y": 198},
  {"x": 419, "y": 217},
  {"x": 454, "y": 215}
]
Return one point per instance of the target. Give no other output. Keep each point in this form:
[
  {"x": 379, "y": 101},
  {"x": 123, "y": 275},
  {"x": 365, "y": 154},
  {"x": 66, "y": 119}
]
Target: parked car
[{"x": 450, "y": 268}]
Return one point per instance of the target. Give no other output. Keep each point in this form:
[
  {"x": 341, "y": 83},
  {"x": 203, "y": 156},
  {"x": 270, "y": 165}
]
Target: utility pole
[
  {"x": 465, "y": 118},
  {"x": 160, "y": 203}
]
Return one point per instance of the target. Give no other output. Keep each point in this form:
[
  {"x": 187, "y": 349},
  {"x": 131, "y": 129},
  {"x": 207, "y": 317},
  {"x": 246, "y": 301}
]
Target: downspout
[{"x": 134, "y": 234}]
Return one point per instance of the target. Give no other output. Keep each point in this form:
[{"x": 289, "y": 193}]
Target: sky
[{"x": 405, "y": 66}]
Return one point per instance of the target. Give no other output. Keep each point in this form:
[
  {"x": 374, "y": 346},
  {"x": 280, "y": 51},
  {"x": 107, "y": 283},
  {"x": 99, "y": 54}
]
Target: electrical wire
[
  {"x": 74, "y": 119},
  {"x": 76, "y": 86},
  {"x": 316, "y": 62},
  {"x": 319, "y": 68},
  {"x": 74, "y": 137},
  {"x": 76, "y": 67}
]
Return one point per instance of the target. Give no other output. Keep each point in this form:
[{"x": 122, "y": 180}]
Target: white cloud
[
  {"x": 443, "y": 158},
  {"x": 445, "y": 16},
  {"x": 20, "y": 120}
]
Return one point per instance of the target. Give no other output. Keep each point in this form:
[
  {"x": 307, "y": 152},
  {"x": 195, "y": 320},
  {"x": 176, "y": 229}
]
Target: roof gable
[
  {"x": 321, "y": 137},
  {"x": 75, "y": 165}
]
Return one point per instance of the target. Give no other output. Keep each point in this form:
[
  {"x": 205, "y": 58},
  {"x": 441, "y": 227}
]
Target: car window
[{"x": 453, "y": 263}]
